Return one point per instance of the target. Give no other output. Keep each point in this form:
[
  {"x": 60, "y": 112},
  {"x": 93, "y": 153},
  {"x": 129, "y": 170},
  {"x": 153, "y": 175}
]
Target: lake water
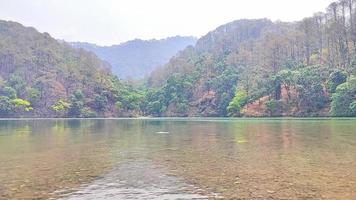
[{"x": 178, "y": 159}]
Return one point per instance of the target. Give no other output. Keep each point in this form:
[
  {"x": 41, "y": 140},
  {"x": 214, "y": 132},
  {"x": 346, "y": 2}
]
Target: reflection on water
[
  {"x": 140, "y": 179},
  {"x": 251, "y": 159}
]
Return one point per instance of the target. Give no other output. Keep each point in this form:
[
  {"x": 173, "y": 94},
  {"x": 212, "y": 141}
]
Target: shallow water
[
  {"x": 178, "y": 159},
  {"x": 140, "y": 179}
]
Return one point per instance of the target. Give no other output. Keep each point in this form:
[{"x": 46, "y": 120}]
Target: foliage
[
  {"x": 33, "y": 94},
  {"x": 5, "y": 106},
  {"x": 304, "y": 68},
  {"x": 41, "y": 70},
  {"x": 297, "y": 64},
  {"x": 76, "y": 104},
  {"x": 237, "y": 103},
  {"x": 21, "y": 104},
  {"x": 353, "y": 107},
  {"x": 177, "y": 92},
  {"x": 274, "y": 107},
  {"x": 61, "y": 106},
  {"x": 344, "y": 99},
  {"x": 9, "y": 92},
  {"x": 100, "y": 102},
  {"x": 118, "y": 105},
  {"x": 9, "y": 107},
  {"x": 88, "y": 113},
  {"x": 311, "y": 96},
  {"x": 16, "y": 82},
  {"x": 336, "y": 78}
]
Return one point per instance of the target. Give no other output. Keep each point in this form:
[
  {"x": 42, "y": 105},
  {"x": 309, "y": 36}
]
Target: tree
[
  {"x": 311, "y": 96},
  {"x": 20, "y": 105},
  {"x": 336, "y": 78},
  {"x": 118, "y": 105},
  {"x": 5, "y": 106},
  {"x": 353, "y": 107},
  {"x": 33, "y": 95},
  {"x": 76, "y": 104},
  {"x": 344, "y": 99},
  {"x": 274, "y": 107},
  {"x": 237, "y": 103},
  {"x": 155, "y": 108},
  {"x": 131, "y": 101},
  {"x": 285, "y": 78},
  {"x": 61, "y": 107},
  {"x": 16, "y": 82},
  {"x": 9, "y": 92},
  {"x": 88, "y": 113},
  {"x": 100, "y": 102}
]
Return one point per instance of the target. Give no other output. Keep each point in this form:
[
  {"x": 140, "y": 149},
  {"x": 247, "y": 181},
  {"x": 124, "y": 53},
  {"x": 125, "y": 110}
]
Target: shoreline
[{"x": 183, "y": 118}]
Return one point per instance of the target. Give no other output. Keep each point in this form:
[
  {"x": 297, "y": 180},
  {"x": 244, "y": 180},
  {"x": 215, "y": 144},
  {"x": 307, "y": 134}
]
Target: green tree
[
  {"x": 353, "y": 107},
  {"x": 131, "y": 101},
  {"x": 9, "y": 92},
  {"x": 336, "y": 78},
  {"x": 311, "y": 96},
  {"x": 100, "y": 102},
  {"x": 274, "y": 107},
  {"x": 77, "y": 104},
  {"x": 33, "y": 95},
  {"x": 155, "y": 108},
  {"x": 343, "y": 100},
  {"x": 61, "y": 107},
  {"x": 237, "y": 103},
  {"x": 286, "y": 78},
  {"x": 118, "y": 105},
  {"x": 16, "y": 82},
  {"x": 21, "y": 105},
  {"x": 5, "y": 106},
  {"x": 88, "y": 113}
]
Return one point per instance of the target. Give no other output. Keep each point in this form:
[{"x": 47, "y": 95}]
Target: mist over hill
[{"x": 138, "y": 58}]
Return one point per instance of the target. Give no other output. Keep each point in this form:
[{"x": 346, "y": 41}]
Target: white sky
[{"x": 108, "y": 22}]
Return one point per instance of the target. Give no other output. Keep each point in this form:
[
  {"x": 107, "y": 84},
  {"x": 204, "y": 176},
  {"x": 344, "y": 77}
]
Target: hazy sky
[{"x": 108, "y": 22}]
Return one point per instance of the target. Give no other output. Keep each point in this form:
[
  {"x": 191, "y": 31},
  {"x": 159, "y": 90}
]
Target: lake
[{"x": 178, "y": 159}]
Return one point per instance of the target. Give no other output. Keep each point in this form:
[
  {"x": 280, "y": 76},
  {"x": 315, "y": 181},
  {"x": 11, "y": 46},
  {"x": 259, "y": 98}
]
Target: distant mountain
[{"x": 138, "y": 58}]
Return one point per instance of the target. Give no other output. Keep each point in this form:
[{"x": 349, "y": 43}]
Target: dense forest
[
  {"x": 244, "y": 68},
  {"x": 41, "y": 77},
  {"x": 264, "y": 68},
  {"x": 136, "y": 59}
]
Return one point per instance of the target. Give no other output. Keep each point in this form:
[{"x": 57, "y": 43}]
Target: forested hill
[
  {"x": 138, "y": 58},
  {"x": 264, "y": 68},
  {"x": 40, "y": 77},
  {"x": 244, "y": 68}
]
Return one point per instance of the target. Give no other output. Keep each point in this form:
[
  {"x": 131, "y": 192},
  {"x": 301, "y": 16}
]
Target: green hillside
[
  {"x": 252, "y": 68},
  {"x": 264, "y": 68},
  {"x": 40, "y": 77}
]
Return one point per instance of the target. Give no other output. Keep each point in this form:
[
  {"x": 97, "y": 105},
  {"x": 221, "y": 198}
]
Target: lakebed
[{"x": 178, "y": 158}]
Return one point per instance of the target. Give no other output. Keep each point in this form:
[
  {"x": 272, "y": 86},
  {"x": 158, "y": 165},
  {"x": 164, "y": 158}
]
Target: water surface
[{"x": 178, "y": 159}]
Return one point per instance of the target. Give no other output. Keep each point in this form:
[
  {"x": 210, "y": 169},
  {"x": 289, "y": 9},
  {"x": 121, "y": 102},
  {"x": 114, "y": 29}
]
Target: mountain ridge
[{"x": 136, "y": 59}]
